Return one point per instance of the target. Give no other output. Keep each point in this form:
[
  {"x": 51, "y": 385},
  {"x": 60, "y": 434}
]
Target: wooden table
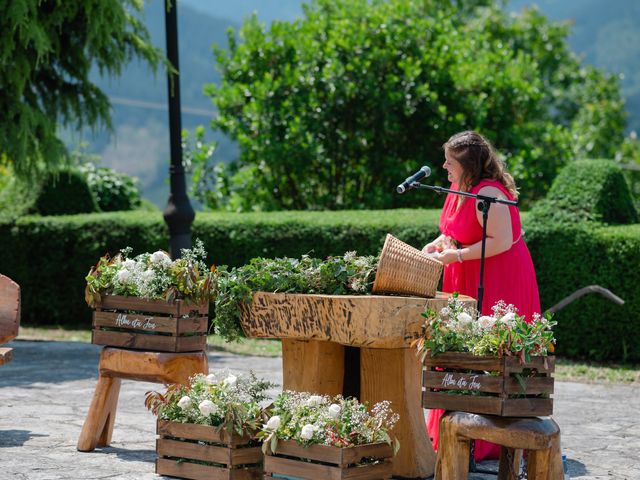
[{"x": 315, "y": 330}]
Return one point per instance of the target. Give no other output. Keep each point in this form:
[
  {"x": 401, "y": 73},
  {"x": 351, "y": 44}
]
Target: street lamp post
[{"x": 179, "y": 213}]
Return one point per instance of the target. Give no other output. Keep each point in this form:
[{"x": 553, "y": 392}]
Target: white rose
[
  {"x": 464, "y": 318},
  {"x": 307, "y": 432},
  {"x": 211, "y": 378},
  {"x": 334, "y": 411},
  {"x": 273, "y": 423},
  {"x": 129, "y": 264},
  {"x": 160, "y": 258},
  {"x": 123, "y": 276},
  {"x": 184, "y": 403},
  {"x": 207, "y": 407},
  {"x": 508, "y": 318},
  {"x": 314, "y": 400},
  {"x": 486, "y": 322},
  {"x": 230, "y": 381}
]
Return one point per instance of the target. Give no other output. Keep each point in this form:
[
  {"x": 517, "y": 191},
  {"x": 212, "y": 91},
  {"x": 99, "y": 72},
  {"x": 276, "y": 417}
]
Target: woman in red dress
[{"x": 474, "y": 167}]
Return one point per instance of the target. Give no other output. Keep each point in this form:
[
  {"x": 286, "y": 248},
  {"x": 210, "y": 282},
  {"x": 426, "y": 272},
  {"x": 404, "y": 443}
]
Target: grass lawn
[{"x": 566, "y": 370}]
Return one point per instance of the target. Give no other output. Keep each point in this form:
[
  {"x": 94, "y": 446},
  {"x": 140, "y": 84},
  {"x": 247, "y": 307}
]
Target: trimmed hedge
[
  {"x": 588, "y": 190},
  {"x": 49, "y": 257}
]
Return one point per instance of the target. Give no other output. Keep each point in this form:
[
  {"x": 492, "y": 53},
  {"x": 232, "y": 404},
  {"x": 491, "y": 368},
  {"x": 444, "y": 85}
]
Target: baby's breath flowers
[
  {"x": 152, "y": 275},
  {"x": 457, "y": 328},
  {"x": 218, "y": 399},
  {"x": 320, "y": 419}
]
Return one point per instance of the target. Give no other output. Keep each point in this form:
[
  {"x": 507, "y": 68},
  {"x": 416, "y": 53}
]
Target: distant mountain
[{"x": 605, "y": 33}]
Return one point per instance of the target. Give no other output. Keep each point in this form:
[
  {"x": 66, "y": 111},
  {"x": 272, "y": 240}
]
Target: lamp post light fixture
[{"x": 179, "y": 213}]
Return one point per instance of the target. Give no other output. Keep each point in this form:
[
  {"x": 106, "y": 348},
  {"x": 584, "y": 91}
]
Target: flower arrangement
[
  {"x": 218, "y": 400},
  {"x": 320, "y": 419},
  {"x": 340, "y": 275},
  {"x": 457, "y": 328},
  {"x": 152, "y": 276}
]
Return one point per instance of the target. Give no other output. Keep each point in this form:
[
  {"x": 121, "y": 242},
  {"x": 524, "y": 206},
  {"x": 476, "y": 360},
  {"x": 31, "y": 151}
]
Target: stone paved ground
[{"x": 46, "y": 391}]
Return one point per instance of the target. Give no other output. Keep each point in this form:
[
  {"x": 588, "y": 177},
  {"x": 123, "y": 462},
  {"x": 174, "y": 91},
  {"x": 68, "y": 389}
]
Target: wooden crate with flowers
[
  {"x": 206, "y": 430},
  {"x": 316, "y": 436},
  {"x": 496, "y": 365},
  {"x": 151, "y": 302}
]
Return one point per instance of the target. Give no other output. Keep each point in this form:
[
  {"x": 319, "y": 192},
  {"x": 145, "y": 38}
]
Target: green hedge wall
[{"x": 49, "y": 257}]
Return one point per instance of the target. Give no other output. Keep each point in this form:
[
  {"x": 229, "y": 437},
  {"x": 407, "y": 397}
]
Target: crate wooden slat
[
  {"x": 178, "y": 450},
  {"x": 489, "y": 385},
  {"x": 155, "y": 325},
  {"x": 291, "y": 459}
]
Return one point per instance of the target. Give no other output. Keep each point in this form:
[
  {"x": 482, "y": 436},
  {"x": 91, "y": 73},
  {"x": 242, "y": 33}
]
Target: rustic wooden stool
[
  {"x": 116, "y": 364},
  {"x": 539, "y": 435}
]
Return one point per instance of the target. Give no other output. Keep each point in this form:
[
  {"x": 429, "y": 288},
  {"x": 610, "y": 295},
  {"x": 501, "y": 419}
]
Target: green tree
[
  {"x": 332, "y": 110},
  {"x": 48, "y": 49}
]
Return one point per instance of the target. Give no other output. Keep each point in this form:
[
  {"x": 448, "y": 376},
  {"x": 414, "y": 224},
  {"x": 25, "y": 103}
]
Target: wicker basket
[{"x": 405, "y": 270}]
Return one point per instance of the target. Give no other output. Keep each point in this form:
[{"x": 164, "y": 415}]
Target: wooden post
[
  {"x": 395, "y": 375},
  {"x": 312, "y": 366}
]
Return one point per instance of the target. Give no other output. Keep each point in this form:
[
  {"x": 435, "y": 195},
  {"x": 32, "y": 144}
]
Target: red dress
[{"x": 509, "y": 276}]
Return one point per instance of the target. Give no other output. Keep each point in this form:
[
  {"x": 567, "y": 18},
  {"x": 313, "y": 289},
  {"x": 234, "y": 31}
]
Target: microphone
[{"x": 416, "y": 177}]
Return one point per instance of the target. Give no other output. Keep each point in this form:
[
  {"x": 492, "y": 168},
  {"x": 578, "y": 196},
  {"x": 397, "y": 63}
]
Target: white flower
[
  {"x": 160, "y": 258},
  {"x": 211, "y": 378},
  {"x": 273, "y": 423},
  {"x": 124, "y": 276},
  {"x": 444, "y": 312},
  {"x": 334, "y": 411},
  {"x": 307, "y": 432},
  {"x": 230, "y": 381},
  {"x": 464, "y": 318},
  {"x": 207, "y": 407},
  {"x": 129, "y": 264},
  {"x": 314, "y": 400},
  {"x": 508, "y": 318},
  {"x": 148, "y": 275},
  {"x": 486, "y": 322},
  {"x": 184, "y": 403}
]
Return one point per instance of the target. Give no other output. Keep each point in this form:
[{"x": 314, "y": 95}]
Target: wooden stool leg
[
  {"x": 98, "y": 425},
  {"x": 453, "y": 453},
  {"x": 509, "y": 463},
  {"x": 546, "y": 464}
]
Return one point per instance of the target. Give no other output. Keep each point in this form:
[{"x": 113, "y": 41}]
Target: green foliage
[
  {"x": 568, "y": 257},
  {"x": 588, "y": 190},
  {"x": 342, "y": 275},
  {"x": 51, "y": 47},
  {"x": 153, "y": 276},
  {"x": 231, "y": 402},
  {"x": 114, "y": 191},
  {"x": 327, "y": 110},
  {"x": 65, "y": 192}
]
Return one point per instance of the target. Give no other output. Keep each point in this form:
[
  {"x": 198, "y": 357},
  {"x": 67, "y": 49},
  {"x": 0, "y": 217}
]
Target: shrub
[
  {"x": 114, "y": 191},
  {"x": 65, "y": 192},
  {"x": 588, "y": 190}
]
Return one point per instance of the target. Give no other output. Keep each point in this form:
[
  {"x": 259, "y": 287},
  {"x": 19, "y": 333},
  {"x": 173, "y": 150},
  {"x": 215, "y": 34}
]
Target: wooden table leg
[
  {"x": 312, "y": 366},
  {"x": 396, "y": 375},
  {"x": 98, "y": 426}
]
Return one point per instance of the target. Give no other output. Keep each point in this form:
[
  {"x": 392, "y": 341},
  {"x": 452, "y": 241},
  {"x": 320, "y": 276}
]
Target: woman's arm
[{"x": 499, "y": 235}]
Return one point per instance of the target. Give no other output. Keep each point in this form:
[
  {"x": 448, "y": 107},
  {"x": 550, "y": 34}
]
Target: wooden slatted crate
[
  {"x": 201, "y": 452},
  {"x": 489, "y": 385},
  {"x": 326, "y": 462},
  {"x": 154, "y": 325}
]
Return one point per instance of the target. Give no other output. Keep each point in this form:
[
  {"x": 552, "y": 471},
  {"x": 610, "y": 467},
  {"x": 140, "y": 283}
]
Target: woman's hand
[
  {"x": 430, "y": 247},
  {"x": 447, "y": 256}
]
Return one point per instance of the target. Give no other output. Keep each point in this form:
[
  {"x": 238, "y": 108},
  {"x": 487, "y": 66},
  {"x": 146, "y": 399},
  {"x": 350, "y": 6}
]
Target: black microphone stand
[{"x": 483, "y": 206}]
